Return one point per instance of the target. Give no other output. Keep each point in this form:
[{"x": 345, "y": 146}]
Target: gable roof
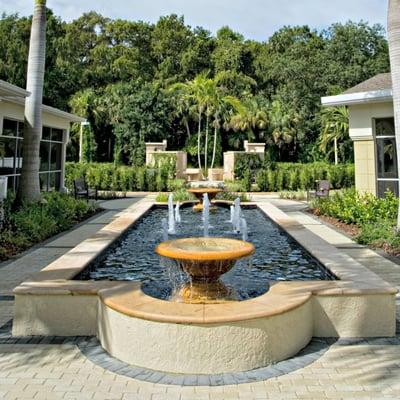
[
  {"x": 377, "y": 89},
  {"x": 7, "y": 89},
  {"x": 377, "y": 82}
]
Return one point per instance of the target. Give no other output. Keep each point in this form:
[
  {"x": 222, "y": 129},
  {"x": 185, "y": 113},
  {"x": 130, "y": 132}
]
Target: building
[
  {"x": 55, "y": 136},
  {"x": 372, "y": 129}
]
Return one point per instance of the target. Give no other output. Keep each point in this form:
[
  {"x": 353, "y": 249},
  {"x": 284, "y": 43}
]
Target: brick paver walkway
[{"x": 369, "y": 370}]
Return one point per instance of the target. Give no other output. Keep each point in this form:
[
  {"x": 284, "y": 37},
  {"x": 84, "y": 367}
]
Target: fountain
[
  {"x": 205, "y": 260},
  {"x": 199, "y": 193}
]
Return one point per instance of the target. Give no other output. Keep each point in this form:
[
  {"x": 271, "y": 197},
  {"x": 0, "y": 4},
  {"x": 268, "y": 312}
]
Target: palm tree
[
  {"x": 250, "y": 117},
  {"x": 394, "y": 51},
  {"x": 29, "y": 187},
  {"x": 195, "y": 92},
  {"x": 335, "y": 128}
]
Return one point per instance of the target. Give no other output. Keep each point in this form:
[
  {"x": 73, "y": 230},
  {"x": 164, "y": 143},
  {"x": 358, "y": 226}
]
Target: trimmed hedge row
[
  {"x": 107, "y": 176},
  {"x": 282, "y": 176},
  {"x": 293, "y": 176}
]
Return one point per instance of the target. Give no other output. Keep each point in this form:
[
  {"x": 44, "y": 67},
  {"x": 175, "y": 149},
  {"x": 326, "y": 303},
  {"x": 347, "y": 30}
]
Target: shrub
[
  {"x": 32, "y": 223},
  {"x": 232, "y": 196},
  {"x": 293, "y": 176},
  {"x": 179, "y": 195},
  {"x": 246, "y": 163}
]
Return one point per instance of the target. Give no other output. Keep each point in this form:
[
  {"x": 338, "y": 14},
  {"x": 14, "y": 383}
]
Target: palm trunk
[
  {"x": 336, "y": 152},
  {"x": 394, "y": 51},
  {"x": 206, "y": 146},
  {"x": 185, "y": 121},
  {"x": 198, "y": 142},
  {"x": 29, "y": 187},
  {"x": 214, "y": 147}
]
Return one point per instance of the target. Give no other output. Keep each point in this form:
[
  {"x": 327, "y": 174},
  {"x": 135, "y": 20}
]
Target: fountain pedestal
[{"x": 199, "y": 192}]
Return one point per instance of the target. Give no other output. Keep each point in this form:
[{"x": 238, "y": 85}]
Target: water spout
[
  {"x": 206, "y": 215},
  {"x": 178, "y": 219},
  {"x": 237, "y": 215},
  {"x": 171, "y": 216},
  {"x": 232, "y": 214},
  {"x": 164, "y": 225},
  {"x": 244, "y": 229}
]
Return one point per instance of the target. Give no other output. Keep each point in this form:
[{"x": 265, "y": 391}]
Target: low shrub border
[
  {"x": 33, "y": 223},
  {"x": 375, "y": 218}
]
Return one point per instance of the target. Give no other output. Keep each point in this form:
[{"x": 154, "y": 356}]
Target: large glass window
[
  {"x": 386, "y": 156},
  {"x": 11, "y": 140}
]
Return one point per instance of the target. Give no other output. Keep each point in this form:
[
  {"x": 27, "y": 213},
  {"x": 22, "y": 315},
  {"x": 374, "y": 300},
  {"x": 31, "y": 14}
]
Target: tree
[
  {"x": 29, "y": 187},
  {"x": 335, "y": 128},
  {"x": 252, "y": 119},
  {"x": 394, "y": 51}
]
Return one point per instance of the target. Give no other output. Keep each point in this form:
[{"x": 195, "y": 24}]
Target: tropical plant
[
  {"x": 394, "y": 52},
  {"x": 252, "y": 117},
  {"x": 335, "y": 128},
  {"x": 29, "y": 187}
]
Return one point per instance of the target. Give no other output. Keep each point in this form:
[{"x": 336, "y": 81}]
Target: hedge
[
  {"x": 108, "y": 176},
  {"x": 281, "y": 176},
  {"x": 294, "y": 176}
]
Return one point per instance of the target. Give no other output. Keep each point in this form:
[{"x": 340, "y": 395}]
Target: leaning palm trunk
[
  {"x": 198, "y": 142},
  {"x": 214, "y": 147},
  {"x": 394, "y": 51},
  {"x": 206, "y": 147},
  {"x": 29, "y": 187}
]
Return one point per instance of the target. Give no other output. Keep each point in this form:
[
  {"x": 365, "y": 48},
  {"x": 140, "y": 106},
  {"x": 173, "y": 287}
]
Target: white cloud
[{"x": 256, "y": 19}]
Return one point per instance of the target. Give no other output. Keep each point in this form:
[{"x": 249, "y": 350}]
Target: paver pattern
[{"x": 365, "y": 369}]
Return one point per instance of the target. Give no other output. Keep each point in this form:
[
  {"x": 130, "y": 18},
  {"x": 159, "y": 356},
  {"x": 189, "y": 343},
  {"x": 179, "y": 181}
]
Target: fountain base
[{"x": 205, "y": 293}]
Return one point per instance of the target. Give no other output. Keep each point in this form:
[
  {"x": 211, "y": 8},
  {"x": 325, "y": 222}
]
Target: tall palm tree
[
  {"x": 29, "y": 187},
  {"x": 335, "y": 128},
  {"x": 194, "y": 92},
  {"x": 394, "y": 51}
]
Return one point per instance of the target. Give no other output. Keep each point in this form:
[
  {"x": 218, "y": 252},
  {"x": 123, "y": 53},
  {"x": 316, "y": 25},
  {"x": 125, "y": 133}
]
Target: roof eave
[
  {"x": 376, "y": 96},
  {"x": 7, "y": 89}
]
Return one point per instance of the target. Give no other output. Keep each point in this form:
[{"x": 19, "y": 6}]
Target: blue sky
[{"x": 256, "y": 19}]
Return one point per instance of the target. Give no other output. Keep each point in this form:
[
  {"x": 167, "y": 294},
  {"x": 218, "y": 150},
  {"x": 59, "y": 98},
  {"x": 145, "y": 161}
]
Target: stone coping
[{"x": 127, "y": 297}]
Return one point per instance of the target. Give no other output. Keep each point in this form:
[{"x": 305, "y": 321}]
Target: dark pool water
[{"x": 277, "y": 257}]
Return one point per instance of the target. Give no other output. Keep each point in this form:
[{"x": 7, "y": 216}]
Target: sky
[{"x": 255, "y": 19}]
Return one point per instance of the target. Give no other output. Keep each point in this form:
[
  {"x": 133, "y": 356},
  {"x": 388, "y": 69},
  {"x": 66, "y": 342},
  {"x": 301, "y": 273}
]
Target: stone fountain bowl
[
  {"x": 199, "y": 192},
  {"x": 205, "y": 259}
]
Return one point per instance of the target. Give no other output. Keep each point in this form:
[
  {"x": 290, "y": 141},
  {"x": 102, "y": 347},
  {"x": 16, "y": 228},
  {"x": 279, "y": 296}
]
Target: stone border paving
[{"x": 91, "y": 348}]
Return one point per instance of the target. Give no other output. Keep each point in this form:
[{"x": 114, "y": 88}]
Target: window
[
  {"x": 386, "y": 156},
  {"x": 11, "y": 141},
  {"x": 51, "y": 158}
]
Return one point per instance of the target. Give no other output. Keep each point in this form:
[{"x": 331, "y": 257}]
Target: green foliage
[
  {"x": 247, "y": 163},
  {"x": 232, "y": 196},
  {"x": 376, "y": 217},
  {"x": 111, "y": 177},
  {"x": 117, "y": 70},
  {"x": 352, "y": 207},
  {"x": 293, "y": 176},
  {"x": 33, "y": 223},
  {"x": 179, "y": 195},
  {"x": 299, "y": 195}
]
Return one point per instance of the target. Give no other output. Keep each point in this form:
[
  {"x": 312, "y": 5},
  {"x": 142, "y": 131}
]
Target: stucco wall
[{"x": 361, "y": 123}]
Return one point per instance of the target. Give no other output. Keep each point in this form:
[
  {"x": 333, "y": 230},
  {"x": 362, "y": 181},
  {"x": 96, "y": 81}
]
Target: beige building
[
  {"x": 372, "y": 129},
  {"x": 55, "y": 136}
]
